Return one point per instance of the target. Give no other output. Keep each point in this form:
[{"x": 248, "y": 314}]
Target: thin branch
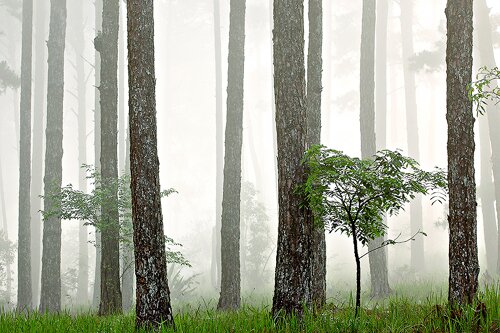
[{"x": 392, "y": 242}]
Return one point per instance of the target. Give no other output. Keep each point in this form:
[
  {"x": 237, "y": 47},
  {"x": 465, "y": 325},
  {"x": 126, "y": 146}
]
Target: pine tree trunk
[
  {"x": 106, "y": 43},
  {"x": 314, "y": 88},
  {"x": 417, "y": 261},
  {"x": 50, "y": 299},
  {"x": 381, "y": 74},
  {"x": 24, "y": 294},
  {"x": 292, "y": 288},
  {"x": 219, "y": 150},
  {"x": 96, "y": 298},
  {"x": 487, "y": 58},
  {"x": 37, "y": 157},
  {"x": 378, "y": 259},
  {"x": 153, "y": 296},
  {"x": 79, "y": 47},
  {"x": 463, "y": 260},
  {"x": 230, "y": 226}
]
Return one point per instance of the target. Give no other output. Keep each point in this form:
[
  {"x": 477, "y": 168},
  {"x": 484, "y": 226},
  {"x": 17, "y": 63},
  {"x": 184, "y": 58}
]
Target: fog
[{"x": 186, "y": 104}]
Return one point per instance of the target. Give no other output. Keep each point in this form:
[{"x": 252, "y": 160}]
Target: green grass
[{"x": 397, "y": 314}]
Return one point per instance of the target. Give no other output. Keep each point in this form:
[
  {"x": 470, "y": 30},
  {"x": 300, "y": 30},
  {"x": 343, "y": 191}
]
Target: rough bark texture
[
  {"x": 37, "y": 157},
  {"x": 417, "y": 261},
  {"x": 81, "y": 82},
  {"x": 219, "y": 150},
  {"x": 314, "y": 88},
  {"x": 50, "y": 299},
  {"x": 378, "y": 259},
  {"x": 152, "y": 296},
  {"x": 96, "y": 298},
  {"x": 128, "y": 266},
  {"x": 106, "y": 43},
  {"x": 292, "y": 287},
  {"x": 230, "y": 226},
  {"x": 487, "y": 58},
  {"x": 24, "y": 232},
  {"x": 463, "y": 260}
]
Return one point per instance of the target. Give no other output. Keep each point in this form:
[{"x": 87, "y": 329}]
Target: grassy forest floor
[{"x": 395, "y": 314}]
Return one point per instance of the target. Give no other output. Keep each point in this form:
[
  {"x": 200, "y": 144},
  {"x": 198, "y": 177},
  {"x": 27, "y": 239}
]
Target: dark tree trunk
[
  {"x": 292, "y": 287},
  {"x": 230, "y": 226},
  {"x": 314, "y": 88},
  {"x": 463, "y": 260},
  {"x": 358, "y": 268},
  {"x": 417, "y": 261},
  {"x": 50, "y": 299},
  {"x": 81, "y": 82},
  {"x": 24, "y": 294},
  {"x": 106, "y": 43},
  {"x": 378, "y": 259},
  {"x": 487, "y": 58},
  {"x": 37, "y": 157},
  {"x": 219, "y": 150},
  {"x": 153, "y": 296},
  {"x": 96, "y": 298}
]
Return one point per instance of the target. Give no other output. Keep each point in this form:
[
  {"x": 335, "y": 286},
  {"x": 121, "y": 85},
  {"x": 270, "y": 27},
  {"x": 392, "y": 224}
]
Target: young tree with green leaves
[{"x": 352, "y": 195}]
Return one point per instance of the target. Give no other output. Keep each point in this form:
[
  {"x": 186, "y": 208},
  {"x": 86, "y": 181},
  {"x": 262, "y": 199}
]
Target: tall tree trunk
[
  {"x": 292, "y": 287},
  {"x": 153, "y": 296},
  {"x": 219, "y": 150},
  {"x": 50, "y": 299},
  {"x": 96, "y": 298},
  {"x": 230, "y": 226},
  {"x": 378, "y": 259},
  {"x": 463, "y": 260},
  {"x": 416, "y": 224},
  {"x": 122, "y": 73},
  {"x": 81, "y": 82},
  {"x": 5, "y": 228},
  {"x": 37, "y": 157},
  {"x": 487, "y": 58},
  {"x": 381, "y": 74},
  {"x": 106, "y": 43},
  {"x": 314, "y": 88},
  {"x": 24, "y": 231}
]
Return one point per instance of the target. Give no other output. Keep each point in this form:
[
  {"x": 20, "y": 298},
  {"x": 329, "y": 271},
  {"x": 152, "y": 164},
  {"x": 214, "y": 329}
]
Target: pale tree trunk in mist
[
  {"x": 152, "y": 295},
  {"x": 37, "y": 154},
  {"x": 378, "y": 259},
  {"x": 122, "y": 118},
  {"x": 463, "y": 259},
  {"x": 96, "y": 298},
  {"x": 416, "y": 224},
  {"x": 24, "y": 292},
  {"x": 106, "y": 43},
  {"x": 50, "y": 299},
  {"x": 5, "y": 227},
  {"x": 314, "y": 88},
  {"x": 292, "y": 287},
  {"x": 230, "y": 223},
  {"x": 487, "y": 58},
  {"x": 219, "y": 151},
  {"x": 381, "y": 74},
  {"x": 81, "y": 81},
  {"x": 128, "y": 266}
]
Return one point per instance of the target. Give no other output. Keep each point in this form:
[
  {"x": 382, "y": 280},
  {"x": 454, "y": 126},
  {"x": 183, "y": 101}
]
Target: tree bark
[
  {"x": 463, "y": 260},
  {"x": 378, "y": 259},
  {"x": 417, "y": 261},
  {"x": 381, "y": 73},
  {"x": 24, "y": 292},
  {"x": 96, "y": 298},
  {"x": 487, "y": 58},
  {"x": 153, "y": 296},
  {"x": 50, "y": 299},
  {"x": 314, "y": 88},
  {"x": 106, "y": 43},
  {"x": 230, "y": 227},
  {"x": 37, "y": 154},
  {"x": 292, "y": 288}
]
